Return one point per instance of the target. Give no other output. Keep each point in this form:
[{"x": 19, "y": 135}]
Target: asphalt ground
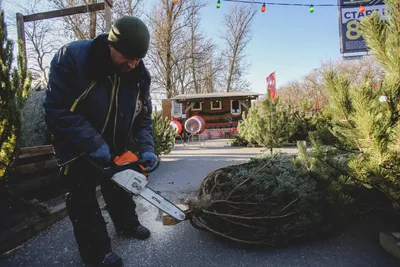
[{"x": 180, "y": 175}]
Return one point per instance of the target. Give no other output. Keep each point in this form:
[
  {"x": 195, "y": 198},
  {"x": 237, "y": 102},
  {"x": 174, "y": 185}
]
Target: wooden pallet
[{"x": 35, "y": 169}]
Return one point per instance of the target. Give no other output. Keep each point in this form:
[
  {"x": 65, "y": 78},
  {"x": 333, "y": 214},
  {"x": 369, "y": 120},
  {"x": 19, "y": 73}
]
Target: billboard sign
[{"x": 350, "y": 16}]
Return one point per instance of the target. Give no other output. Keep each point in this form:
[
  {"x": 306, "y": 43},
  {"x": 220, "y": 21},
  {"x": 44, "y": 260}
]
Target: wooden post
[
  {"x": 21, "y": 34},
  {"x": 64, "y": 12},
  {"x": 107, "y": 13},
  {"x": 92, "y": 26},
  {"x": 21, "y": 19}
]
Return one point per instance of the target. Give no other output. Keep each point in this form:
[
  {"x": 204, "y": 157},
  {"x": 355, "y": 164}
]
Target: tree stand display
[{"x": 195, "y": 126}]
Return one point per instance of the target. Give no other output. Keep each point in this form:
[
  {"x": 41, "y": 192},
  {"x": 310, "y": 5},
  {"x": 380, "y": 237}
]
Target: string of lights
[
  {"x": 277, "y": 4},
  {"x": 311, "y": 7}
]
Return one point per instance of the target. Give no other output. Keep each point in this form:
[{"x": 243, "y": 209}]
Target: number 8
[{"x": 353, "y": 27}]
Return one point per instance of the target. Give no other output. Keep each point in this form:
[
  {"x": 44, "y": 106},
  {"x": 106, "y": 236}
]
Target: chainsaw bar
[
  {"x": 163, "y": 204},
  {"x": 135, "y": 183}
]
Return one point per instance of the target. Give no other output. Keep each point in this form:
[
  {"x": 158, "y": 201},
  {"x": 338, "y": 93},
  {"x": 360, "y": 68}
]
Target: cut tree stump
[{"x": 169, "y": 220}]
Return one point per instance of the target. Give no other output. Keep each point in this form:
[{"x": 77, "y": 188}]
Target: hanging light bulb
[
  {"x": 263, "y": 8},
  {"x": 312, "y": 9},
  {"x": 362, "y": 9},
  {"x": 218, "y": 3}
]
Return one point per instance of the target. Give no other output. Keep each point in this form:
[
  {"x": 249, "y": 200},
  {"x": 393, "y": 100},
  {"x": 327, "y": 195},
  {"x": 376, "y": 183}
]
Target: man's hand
[
  {"x": 101, "y": 156},
  {"x": 151, "y": 160}
]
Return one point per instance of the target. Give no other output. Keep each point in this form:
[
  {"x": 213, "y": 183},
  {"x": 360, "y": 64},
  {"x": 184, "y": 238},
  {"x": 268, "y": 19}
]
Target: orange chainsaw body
[{"x": 126, "y": 158}]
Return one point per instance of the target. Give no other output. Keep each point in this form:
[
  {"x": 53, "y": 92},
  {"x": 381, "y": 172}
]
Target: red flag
[{"x": 271, "y": 85}]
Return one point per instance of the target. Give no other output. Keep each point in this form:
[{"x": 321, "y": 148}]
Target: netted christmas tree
[
  {"x": 365, "y": 116},
  {"x": 164, "y": 135},
  {"x": 268, "y": 124},
  {"x": 14, "y": 88},
  {"x": 274, "y": 199}
]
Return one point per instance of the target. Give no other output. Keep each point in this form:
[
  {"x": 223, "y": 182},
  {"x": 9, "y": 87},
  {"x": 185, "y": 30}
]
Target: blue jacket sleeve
[
  {"x": 71, "y": 127},
  {"x": 144, "y": 137}
]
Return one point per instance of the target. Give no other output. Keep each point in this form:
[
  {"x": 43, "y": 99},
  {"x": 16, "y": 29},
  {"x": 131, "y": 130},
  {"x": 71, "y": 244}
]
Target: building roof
[{"x": 216, "y": 95}]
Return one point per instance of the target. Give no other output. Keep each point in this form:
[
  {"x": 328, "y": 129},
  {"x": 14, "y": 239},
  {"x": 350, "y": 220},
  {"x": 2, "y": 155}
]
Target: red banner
[{"x": 271, "y": 85}]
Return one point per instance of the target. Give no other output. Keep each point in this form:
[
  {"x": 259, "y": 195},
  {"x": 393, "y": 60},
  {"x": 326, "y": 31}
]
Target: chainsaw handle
[
  {"x": 127, "y": 160},
  {"x": 138, "y": 166},
  {"x": 143, "y": 162}
]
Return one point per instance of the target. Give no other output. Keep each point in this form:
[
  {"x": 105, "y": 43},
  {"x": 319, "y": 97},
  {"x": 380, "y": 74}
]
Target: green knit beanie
[{"x": 130, "y": 36}]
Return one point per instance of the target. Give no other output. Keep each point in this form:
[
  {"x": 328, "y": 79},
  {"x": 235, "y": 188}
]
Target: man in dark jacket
[{"x": 97, "y": 101}]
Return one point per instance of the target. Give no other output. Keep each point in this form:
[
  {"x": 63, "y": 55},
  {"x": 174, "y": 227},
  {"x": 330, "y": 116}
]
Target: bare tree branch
[
  {"x": 86, "y": 26},
  {"x": 41, "y": 41},
  {"x": 167, "y": 22},
  {"x": 311, "y": 87},
  {"x": 236, "y": 36}
]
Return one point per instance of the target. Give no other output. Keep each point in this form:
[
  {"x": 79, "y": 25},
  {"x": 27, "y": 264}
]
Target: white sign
[{"x": 353, "y": 13}]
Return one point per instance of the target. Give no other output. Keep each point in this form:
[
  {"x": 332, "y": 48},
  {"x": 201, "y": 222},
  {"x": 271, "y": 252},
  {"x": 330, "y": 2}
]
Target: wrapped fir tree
[{"x": 275, "y": 199}]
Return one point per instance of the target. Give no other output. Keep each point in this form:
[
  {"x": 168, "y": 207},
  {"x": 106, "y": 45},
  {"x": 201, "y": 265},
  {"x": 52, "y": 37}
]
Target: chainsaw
[{"x": 128, "y": 172}]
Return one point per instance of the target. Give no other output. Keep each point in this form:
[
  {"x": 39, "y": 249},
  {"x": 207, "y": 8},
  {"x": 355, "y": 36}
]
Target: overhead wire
[{"x": 371, "y": 3}]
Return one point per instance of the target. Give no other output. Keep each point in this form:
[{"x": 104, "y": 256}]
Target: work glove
[
  {"x": 150, "y": 160},
  {"x": 101, "y": 156}
]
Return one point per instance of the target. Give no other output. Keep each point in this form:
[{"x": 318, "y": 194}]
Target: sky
[{"x": 287, "y": 40}]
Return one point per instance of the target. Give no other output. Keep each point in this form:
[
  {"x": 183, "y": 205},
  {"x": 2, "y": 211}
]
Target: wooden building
[{"x": 220, "y": 111}]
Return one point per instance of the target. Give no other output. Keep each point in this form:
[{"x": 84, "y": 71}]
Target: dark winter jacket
[{"x": 82, "y": 82}]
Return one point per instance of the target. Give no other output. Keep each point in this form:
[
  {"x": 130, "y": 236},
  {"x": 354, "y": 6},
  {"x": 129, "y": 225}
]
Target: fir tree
[
  {"x": 302, "y": 120},
  {"x": 273, "y": 199},
  {"x": 365, "y": 116},
  {"x": 267, "y": 124},
  {"x": 164, "y": 135},
  {"x": 14, "y": 87}
]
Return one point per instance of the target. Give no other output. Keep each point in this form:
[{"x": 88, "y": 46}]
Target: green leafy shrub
[{"x": 14, "y": 87}]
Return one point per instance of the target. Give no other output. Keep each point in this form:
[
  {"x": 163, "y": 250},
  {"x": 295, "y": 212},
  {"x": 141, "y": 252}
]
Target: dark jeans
[{"x": 89, "y": 226}]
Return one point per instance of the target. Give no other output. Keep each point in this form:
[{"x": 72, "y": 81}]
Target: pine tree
[
  {"x": 302, "y": 120},
  {"x": 365, "y": 116},
  {"x": 267, "y": 124},
  {"x": 14, "y": 88}
]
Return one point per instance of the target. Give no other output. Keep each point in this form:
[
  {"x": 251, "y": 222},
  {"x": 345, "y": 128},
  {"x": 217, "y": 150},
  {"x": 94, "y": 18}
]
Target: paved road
[{"x": 179, "y": 175}]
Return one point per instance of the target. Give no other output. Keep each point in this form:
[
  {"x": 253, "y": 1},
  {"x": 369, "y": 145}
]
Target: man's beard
[{"x": 124, "y": 68}]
